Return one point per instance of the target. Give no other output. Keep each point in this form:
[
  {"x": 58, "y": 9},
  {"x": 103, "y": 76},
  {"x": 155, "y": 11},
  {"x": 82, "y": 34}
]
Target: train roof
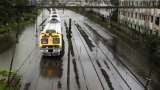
[
  {"x": 54, "y": 14},
  {"x": 53, "y": 26}
]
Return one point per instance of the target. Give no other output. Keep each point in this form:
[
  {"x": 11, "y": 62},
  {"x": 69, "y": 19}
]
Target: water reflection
[{"x": 51, "y": 67}]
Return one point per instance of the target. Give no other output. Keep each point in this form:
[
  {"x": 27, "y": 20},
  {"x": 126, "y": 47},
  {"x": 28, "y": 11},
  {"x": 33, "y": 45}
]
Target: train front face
[{"x": 51, "y": 44}]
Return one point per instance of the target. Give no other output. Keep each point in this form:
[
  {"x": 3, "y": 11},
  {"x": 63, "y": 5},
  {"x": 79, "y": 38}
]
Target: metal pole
[
  {"x": 70, "y": 21},
  {"x": 69, "y": 48},
  {"x": 42, "y": 18},
  {"x": 10, "y": 69}
]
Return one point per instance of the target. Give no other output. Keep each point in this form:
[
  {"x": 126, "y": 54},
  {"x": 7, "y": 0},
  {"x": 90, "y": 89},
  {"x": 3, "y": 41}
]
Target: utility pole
[
  {"x": 69, "y": 36},
  {"x": 69, "y": 32}
]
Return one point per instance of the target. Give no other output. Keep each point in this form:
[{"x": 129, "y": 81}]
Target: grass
[
  {"x": 3, "y": 74},
  {"x": 2, "y": 85},
  {"x": 15, "y": 84}
]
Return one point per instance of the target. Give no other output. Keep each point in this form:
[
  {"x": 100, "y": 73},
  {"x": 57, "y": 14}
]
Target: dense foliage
[
  {"x": 13, "y": 20},
  {"x": 10, "y": 15},
  {"x": 7, "y": 12}
]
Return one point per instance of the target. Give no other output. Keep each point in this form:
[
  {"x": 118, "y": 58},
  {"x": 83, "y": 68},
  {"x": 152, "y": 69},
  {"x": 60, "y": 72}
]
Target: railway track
[
  {"x": 117, "y": 68},
  {"x": 123, "y": 63},
  {"x": 97, "y": 70}
]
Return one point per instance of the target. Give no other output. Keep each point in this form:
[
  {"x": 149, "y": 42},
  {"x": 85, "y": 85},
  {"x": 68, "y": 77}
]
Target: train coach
[{"x": 51, "y": 37}]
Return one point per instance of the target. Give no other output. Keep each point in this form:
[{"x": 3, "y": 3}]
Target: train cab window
[
  {"x": 56, "y": 40},
  {"x": 44, "y": 40}
]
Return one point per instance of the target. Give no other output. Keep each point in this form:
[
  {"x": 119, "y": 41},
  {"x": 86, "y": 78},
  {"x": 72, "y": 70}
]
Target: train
[{"x": 51, "y": 37}]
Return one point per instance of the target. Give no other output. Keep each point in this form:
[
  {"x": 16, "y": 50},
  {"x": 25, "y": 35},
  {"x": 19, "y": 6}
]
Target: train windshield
[
  {"x": 44, "y": 40},
  {"x": 56, "y": 40}
]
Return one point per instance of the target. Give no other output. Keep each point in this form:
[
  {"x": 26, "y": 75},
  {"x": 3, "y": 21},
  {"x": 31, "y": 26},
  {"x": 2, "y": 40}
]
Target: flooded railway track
[
  {"x": 90, "y": 57},
  {"x": 88, "y": 65},
  {"x": 111, "y": 62}
]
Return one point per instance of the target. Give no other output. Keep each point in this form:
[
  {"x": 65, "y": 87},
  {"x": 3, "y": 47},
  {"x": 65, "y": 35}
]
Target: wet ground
[{"x": 92, "y": 64}]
